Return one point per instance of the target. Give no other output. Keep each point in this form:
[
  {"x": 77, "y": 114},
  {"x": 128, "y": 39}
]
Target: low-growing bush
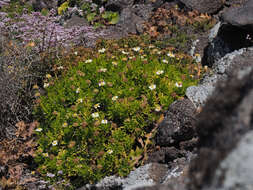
[{"x": 98, "y": 118}]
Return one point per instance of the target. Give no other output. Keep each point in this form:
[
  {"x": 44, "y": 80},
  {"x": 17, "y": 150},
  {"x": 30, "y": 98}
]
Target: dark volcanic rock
[
  {"x": 38, "y": 5},
  {"x": 128, "y": 20},
  {"x": 228, "y": 39},
  {"x": 235, "y": 32},
  {"x": 178, "y": 124},
  {"x": 240, "y": 16},
  {"x": 165, "y": 155},
  {"x": 118, "y": 5},
  {"x": 204, "y": 6},
  {"x": 223, "y": 123},
  {"x": 132, "y": 18}
]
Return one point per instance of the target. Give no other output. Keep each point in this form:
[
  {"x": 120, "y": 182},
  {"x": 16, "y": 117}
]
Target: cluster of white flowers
[
  {"x": 102, "y": 50},
  {"x": 136, "y": 49},
  {"x": 88, "y": 61},
  {"x": 95, "y": 115},
  {"x": 104, "y": 121}
]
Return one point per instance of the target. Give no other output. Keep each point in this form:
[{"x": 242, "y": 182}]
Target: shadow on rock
[{"x": 225, "y": 119}]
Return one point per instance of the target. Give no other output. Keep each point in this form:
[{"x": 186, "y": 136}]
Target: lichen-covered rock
[
  {"x": 221, "y": 68},
  {"x": 146, "y": 175}
]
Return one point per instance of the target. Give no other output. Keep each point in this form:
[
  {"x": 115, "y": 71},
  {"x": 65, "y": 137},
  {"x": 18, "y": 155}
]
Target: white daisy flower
[
  {"x": 65, "y": 124},
  {"x": 75, "y": 53},
  {"x": 158, "y": 108},
  {"x": 102, "y": 50},
  {"x": 114, "y": 98},
  {"x": 95, "y": 115},
  {"x": 165, "y": 61},
  {"x": 96, "y": 106},
  {"x": 80, "y": 100},
  {"x": 46, "y": 85},
  {"x": 152, "y": 87},
  {"x": 77, "y": 90},
  {"x": 179, "y": 85},
  {"x": 103, "y": 70},
  {"x": 38, "y": 129},
  {"x": 197, "y": 57},
  {"x": 48, "y": 76},
  {"x": 159, "y": 72},
  {"x": 45, "y": 154},
  {"x": 136, "y": 49},
  {"x": 88, "y": 61},
  {"x": 101, "y": 83},
  {"x": 125, "y": 53},
  {"x": 114, "y": 63},
  {"x": 104, "y": 121},
  {"x": 170, "y": 54},
  {"x": 60, "y": 67},
  {"x": 55, "y": 142},
  {"x": 110, "y": 151}
]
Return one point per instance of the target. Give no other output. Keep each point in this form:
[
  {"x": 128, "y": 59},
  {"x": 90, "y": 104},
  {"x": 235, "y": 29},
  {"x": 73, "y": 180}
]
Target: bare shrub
[{"x": 30, "y": 45}]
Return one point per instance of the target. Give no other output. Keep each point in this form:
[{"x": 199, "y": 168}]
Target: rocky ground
[{"x": 205, "y": 139}]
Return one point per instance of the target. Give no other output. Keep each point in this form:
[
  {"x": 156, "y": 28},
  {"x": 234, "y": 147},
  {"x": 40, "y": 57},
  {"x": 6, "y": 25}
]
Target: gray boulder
[
  {"x": 132, "y": 19},
  {"x": 240, "y": 16},
  {"x": 224, "y": 129},
  {"x": 204, "y": 6},
  {"x": 236, "y": 169}
]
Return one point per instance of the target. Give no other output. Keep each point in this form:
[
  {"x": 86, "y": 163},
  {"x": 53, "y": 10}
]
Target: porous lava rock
[{"x": 178, "y": 124}]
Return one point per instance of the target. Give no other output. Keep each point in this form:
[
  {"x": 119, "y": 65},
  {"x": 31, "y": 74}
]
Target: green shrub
[{"x": 96, "y": 118}]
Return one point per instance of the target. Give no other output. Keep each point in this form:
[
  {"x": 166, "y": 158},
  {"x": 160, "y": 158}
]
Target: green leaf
[
  {"x": 115, "y": 19},
  {"x": 91, "y": 16}
]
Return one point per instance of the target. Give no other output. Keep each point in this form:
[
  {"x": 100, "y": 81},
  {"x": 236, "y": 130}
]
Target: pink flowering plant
[{"x": 46, "y": 32}]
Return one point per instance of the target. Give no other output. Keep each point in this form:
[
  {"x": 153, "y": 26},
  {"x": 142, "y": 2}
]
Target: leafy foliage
[{"x": 98, "y": 118}]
